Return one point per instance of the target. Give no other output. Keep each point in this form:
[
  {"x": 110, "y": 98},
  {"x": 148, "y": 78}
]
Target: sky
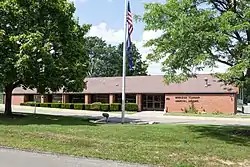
[{"x": 107, "y": 20}]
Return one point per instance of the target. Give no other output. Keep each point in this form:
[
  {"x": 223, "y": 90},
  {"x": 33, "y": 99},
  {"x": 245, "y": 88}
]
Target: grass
[
  {"x": 207, "y": 115},
  {"x": 163, "y": 145}
]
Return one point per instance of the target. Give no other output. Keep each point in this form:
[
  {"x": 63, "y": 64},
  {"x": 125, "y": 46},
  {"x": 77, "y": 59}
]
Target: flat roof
[{"x": 148, "y": 84}]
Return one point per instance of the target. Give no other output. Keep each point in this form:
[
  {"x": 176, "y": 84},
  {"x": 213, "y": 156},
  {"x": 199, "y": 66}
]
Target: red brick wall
[
  {"x": 17, "y": 99},
  {"x": 203, "y": 102}
]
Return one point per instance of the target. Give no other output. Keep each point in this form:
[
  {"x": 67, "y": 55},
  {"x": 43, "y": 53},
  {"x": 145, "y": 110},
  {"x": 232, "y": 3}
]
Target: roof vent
[{"x": 117, "y": 85}]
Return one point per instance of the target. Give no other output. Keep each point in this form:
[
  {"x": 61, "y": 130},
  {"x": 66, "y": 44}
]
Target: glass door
[
  {"x": 158, "y": 102},
  {"x": 153, "y": 102},
  {"x": 149, "y": 100}
]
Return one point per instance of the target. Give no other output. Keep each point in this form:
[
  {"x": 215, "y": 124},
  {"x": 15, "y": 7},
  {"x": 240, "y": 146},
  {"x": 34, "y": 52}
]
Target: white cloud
[
  {"x": 110, "y": 35},
  {"x": 154, "y": 68},
  {"x": 117, "y": 36}
]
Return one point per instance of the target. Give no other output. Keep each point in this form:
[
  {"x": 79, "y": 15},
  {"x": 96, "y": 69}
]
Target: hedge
[
  {"x": 45, "y": 104},
  {"x": 104, "y": 107},
  {"x": 97, "y": 106},
  {"x": 87, "y": 106},
  {"x": 55, "y": 105},
  {"x": 79, "y": 106},
  {"x": 131, "y": 107},
  {"x": 115, "y": 107},
  {"x": 30, "y": 104},
  {"x": 67, "y": 105},
  {"x": 23, "y": 104}
]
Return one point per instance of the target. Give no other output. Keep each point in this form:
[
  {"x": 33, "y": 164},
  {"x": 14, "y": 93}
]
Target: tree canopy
[
  {"x": 106, "y": 60},
  {"x": 41, "y": 46},
  {"x": 197, "y": 34}
]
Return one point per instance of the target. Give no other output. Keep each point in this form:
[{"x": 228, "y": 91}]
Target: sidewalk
[
  {"x": 140, "y": 116},
  {"x": 158, "y": 114},
  {"x": 33, "y": 159}
]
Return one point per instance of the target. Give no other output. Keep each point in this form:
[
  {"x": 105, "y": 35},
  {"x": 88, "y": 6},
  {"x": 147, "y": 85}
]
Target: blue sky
[
  {"x": 111, "y": 12},
  {"x": 107, "y": 17}
]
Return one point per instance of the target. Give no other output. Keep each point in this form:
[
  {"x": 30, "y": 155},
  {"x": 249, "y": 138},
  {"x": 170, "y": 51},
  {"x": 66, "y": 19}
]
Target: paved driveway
[
  {"x": 141, "y": 116},
  {"x": 16, "y": 158}
]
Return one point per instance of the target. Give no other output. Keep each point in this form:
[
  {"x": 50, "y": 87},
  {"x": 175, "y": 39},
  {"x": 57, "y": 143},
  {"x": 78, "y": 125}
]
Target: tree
[
  {"x": 106, "y": 60},
  {"x": 102, "y": 57},
  {"x": 96, "y": 48},
  {"x": 139, "y": 67},
  {"x": 41, "y": 46},
  {"x": 199, "y": 33},
  {"x": 108, "y": 64}
]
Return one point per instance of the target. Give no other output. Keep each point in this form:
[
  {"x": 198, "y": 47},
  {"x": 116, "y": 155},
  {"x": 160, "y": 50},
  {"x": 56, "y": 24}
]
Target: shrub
[
  {"x": 67, "y": 106},
  {"x": 96, "y": 106},
  {"x": 30, "y": 103},
  {"x": 38, "y": 104},
  {"x": 45, "y": 105},
  {"x": 79, "y": 106},
  {"x": 217, "y": 112},
  {"x": 131, "y": 107},
  {"x": 87, "y": 106},
  {"x": 115, "y": 107},
  {"x": 55, "y": 105},
  {"x": 191, "y": 109},
  {"x": 25, "y": 104},
  {"x": 104, "y": 107}
]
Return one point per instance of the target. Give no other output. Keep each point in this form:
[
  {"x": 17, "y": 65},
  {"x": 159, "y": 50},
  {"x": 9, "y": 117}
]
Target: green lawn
[
  {"x": 207, "y": 115},
  {"x": 165, "y": 145}
]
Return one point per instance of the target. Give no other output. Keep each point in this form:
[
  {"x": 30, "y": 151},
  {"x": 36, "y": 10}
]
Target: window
[
  {"x": 76, "y": 98},
  {"x": 57, "y": 98},
  {"x": 130, "y": 98},
  {"x": 31, "y": 98},
  {"x": 100, "y": 98},
  {"x": 37, "y": 98}
]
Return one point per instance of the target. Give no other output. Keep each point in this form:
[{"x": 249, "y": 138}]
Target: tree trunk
[{"x": 8, "y": 99}]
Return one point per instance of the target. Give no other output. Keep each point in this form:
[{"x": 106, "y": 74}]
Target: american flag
[{"x": 130, "y": 30}]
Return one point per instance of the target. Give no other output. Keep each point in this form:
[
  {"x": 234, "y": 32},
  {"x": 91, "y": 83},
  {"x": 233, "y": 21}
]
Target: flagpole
[{"x": 124, "y": 61}]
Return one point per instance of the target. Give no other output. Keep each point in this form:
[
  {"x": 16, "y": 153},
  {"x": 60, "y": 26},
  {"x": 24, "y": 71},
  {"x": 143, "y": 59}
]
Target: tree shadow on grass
[
  {"x": 239, "y": 135},
  {"x": 41, "y": 119}
]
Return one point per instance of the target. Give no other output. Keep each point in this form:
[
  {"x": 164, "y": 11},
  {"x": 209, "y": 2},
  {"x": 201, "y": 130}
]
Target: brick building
[{"x": 206, "y": 92}]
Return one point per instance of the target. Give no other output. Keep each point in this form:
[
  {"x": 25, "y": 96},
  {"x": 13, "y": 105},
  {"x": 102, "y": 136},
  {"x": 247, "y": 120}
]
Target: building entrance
[{"x": 153, "y": 102}]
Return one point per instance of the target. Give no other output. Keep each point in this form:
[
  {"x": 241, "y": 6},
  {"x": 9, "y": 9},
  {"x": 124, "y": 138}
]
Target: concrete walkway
[
  {"x": 140, "y": 116},
  {"x": 17, "y": 158}
]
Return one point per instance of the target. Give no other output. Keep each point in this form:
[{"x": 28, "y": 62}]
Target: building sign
[
  {"x": 180, "y": 97},
  {"x": 185, "y": 99}
]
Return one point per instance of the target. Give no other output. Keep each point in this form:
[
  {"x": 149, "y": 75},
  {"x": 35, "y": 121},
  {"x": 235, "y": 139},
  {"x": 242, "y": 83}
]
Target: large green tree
[
  {"x": 199, "y": 33},
  {"x": 139, "y": 66},
  {"x": 106, "y": 60},
  {"x": 96, "y": 50},
  {"x": 41, "y": 46}
]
